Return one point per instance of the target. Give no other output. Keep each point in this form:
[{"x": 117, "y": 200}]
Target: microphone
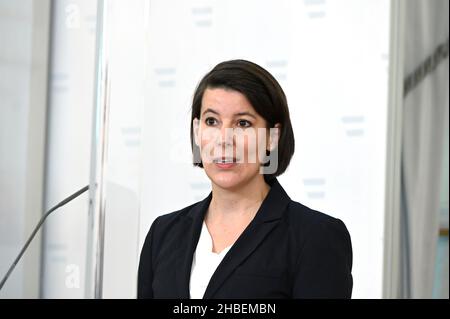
[{"x": 68, "y": 199}]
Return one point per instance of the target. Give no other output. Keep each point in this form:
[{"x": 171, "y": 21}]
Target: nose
[{"x": 225, "y": 138}]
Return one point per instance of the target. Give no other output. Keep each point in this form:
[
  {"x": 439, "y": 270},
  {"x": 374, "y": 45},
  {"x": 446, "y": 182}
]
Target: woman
[{"x": 247, "y": 239}]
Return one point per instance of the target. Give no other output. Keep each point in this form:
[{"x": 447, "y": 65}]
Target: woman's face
[{"x": 232, "y": 138}]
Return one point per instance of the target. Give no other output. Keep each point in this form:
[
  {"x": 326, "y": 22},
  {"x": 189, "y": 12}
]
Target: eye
[
  {"x": 244, "y": 123},
  {"x": 210, "y": 121}
]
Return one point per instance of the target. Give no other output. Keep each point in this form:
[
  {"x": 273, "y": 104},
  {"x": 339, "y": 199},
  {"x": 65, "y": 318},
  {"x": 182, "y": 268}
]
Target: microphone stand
[{"x": 65, "y": 201}]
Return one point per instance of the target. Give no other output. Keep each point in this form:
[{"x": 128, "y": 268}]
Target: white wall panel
[
  {"x": 69, "y": 145},
  {"x": 331, "y": 58}
]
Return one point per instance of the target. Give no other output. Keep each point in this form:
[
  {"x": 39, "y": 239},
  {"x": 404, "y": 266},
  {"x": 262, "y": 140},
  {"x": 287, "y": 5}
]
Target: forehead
[{"x": 226, "y": 102}]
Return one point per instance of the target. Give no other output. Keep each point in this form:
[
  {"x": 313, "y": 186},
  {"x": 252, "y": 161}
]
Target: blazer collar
[{"x": 266, "y": 218}]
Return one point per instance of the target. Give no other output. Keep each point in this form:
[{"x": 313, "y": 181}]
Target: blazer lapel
[
  {"x": 267, "y": 217},
  {"x": 191, "y": 229}
]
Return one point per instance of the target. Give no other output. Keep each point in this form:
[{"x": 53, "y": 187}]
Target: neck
[{"x": 240, "y": 203}]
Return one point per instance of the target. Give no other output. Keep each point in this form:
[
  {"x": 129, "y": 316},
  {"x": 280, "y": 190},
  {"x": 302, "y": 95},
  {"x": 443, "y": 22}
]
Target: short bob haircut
[{"x": 262, "y": 91}]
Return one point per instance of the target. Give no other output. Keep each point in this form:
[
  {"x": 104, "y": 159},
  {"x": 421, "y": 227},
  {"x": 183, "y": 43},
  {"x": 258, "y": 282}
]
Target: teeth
[{"x": 225, "y": 161}]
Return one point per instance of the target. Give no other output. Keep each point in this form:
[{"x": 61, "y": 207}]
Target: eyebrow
[{"x": 237, "y": 114}]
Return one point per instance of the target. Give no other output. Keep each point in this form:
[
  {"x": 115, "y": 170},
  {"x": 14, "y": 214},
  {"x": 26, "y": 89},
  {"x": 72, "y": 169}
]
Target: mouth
[{"x": 225, "y": 162}]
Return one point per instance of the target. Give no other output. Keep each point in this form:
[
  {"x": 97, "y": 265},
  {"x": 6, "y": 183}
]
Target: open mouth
[{"x": 225, "y": 160}]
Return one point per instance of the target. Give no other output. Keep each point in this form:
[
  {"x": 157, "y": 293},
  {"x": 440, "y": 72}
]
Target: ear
[
  {"x": 196, "y": 127},
  {"x": 274, "y": 136}
]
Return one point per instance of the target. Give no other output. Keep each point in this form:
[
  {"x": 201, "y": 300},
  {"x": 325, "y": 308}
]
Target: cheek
[
  {"x": 204, "y": 136},
  {"x": 207, "y": 138},
  {"x": 253, "y": 146}
]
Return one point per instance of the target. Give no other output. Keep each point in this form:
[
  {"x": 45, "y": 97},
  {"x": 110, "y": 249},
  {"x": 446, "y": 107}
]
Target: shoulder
[
  {"x": 166, "y": 223},
  {"x": 324, "y": 257},
  {"x": 309, "y": 224},
  {"x": 323, "y": 260},
  {"x": 301, "y": 215},
  {"x": 168, "y": 219}
]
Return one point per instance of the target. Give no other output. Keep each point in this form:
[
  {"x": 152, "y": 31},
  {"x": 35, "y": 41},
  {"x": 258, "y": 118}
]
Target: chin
[
  {"x": 227, "y": 183},
  {"x": 228, "y": 179}
]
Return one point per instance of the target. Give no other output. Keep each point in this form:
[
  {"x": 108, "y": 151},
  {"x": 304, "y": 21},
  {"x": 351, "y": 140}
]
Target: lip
[
  {"x": 225, "y": 165},
  {"x": 230, "y": 162}
]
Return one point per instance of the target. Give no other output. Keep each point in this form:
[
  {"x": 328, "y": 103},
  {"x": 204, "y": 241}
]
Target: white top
[{"x": 204, "y": 263}]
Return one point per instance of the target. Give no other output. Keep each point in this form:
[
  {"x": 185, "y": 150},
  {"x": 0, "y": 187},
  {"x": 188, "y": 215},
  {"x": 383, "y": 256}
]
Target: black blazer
[{"x": 287, "y": 251}]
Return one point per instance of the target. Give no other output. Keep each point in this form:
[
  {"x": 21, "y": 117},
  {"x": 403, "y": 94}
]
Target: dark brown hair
[{"x": 264, "y": 94}]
